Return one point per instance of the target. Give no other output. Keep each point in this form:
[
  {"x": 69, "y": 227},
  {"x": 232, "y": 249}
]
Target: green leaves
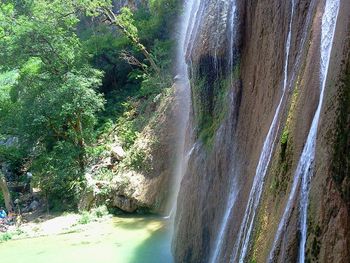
[
  {"x": 49, "y": 88},
  {"x": 126, "y": 20},
  {"x": 44, "y": 29},
  {"x": 50, "y": 94},
  {"x": 93, "y": 7},
  {"x": 7, "y": 80},
  {"x": 6, "y": 13}
]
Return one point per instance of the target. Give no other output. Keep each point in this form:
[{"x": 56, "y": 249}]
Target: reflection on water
[{"x": 120, "y": 240}]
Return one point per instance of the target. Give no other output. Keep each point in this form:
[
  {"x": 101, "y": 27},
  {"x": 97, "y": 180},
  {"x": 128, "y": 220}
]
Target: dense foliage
[{"x": 68, "y": 75}]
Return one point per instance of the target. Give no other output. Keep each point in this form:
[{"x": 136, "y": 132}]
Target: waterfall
[
  {"x": 302, "y": 41},
  {"x": 180, "y": 169},
  {"x": 233, "y": 189},
  {"x": 232, "y": 34},
  {"x": 265, "y": 157},
  {"x": 189, "y": 29},
  {"x": 242, "y": 242},
  {"x": 329, "y": 21},
  {"x": 305, "y": 166},
  {"x": 220, "y": 237},
  {"x": 183, "y": 93}
]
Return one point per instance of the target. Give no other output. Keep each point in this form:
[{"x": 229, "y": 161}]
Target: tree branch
[{"x": 110, "y": 16}]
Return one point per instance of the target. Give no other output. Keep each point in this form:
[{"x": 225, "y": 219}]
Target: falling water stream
[
  {"x": 220, "y": 237},
  {"x": 242, "y": 243},
  {"x": 265, "y": 157},
  {"x": 329, "y": 21},
  {"x": 182, "y": 86},
  {"x": 190, "y": 24},
  {"x": 233, "y": 189},
  {"x": 304, "y": 169}
]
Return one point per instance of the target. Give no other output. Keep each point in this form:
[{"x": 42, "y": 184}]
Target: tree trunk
[
  {"x": 81, "y": 143},
  {"x": 5, "y": 192},
  {"x": 113, "y": 19}
]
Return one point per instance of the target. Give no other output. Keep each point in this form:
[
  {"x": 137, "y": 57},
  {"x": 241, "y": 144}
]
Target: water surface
[{"x": 119, "y": 240}]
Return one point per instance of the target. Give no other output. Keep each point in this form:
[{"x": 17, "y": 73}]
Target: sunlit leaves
[
  {"x": 125, "y": 18},
  {"x": 48, "y": 89}
]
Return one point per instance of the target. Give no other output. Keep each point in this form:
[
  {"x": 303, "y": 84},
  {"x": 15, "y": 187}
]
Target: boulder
[
  {"x": 124, "y": 203},
  {"x": 108, "y": 162},
  {"x": 117, "y": 153},
  {"x": 34, "y": 205},
  {"x": 87, "y": 199}
]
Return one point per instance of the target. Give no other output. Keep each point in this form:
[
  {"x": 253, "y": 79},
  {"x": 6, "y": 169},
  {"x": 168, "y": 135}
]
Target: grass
[{"x": 10, "y": 235}]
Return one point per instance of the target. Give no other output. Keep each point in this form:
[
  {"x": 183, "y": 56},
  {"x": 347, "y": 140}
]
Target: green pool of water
[{"x": 120, "y": 240}]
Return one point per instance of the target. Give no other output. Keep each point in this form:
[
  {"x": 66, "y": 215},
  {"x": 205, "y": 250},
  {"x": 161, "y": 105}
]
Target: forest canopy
[{"x": 68, "y": 71}]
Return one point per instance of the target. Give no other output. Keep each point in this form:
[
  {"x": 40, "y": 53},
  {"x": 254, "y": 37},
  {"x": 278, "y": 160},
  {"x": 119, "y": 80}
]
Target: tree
[
  {"x": 124, "y": 21},
  {"x": 6, "y": 193},
  {"x": 54, "y": 100}
]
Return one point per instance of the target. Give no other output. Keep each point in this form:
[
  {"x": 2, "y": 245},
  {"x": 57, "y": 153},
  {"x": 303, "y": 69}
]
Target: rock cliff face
[
  {"x": 142, "y": 177},
  {"x": 236, "y": 86}
]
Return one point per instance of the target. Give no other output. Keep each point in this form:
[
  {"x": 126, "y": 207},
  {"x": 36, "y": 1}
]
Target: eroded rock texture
[{"x": 230, "y": 132}]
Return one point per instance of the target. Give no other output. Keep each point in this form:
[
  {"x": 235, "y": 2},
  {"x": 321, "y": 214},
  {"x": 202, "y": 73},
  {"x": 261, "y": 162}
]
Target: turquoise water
[{"x": 120, "y": 240}]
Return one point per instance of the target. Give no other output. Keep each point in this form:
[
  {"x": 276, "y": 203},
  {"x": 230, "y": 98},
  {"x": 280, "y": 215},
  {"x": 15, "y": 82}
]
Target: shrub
[
  {"x": 5, "y": 237},
  {"x": 93, "y": 215},
  {"x": 85, "y": 218}
]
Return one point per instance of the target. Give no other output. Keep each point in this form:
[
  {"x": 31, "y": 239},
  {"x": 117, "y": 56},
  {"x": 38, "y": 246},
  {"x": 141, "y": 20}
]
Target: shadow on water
[
  {"x": 134, "y": 222},
  {"x": 122, "y": 240},
  {"x": 155, "y": 249}
]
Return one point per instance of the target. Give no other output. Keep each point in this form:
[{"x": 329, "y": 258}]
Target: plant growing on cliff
[
  {"x": 210, "y": 96},
  {"x": 284, "y": 144},
  {"x": 341, "y": 150}
]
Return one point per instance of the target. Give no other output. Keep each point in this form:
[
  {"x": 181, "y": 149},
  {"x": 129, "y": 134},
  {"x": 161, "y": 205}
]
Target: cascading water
[
  {"x": 232, "y": 34},
  {"x": 294, "y": 71},
  {"x": 183, "y": 92},
  {"x": 179, "y": 171},
  {"x": 304, "y": 169},
  {"x": 329, "y": 21},
  {"x": 222, "y": 11},
  {"x": 220, "y": 237},
  {"x": 233, "y": 189},
  {"x": 189, "y": 30},
  {"x": 242, "y": 243}
]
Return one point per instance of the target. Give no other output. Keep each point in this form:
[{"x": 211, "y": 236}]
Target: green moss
[
  {"x": 274, "y": 185},
  {"x": 282, "y": 166},
  {"x": 210, "y": 99},
  {"x": 284, "y": 143},
  {"x": 341, "y": 151},
  {"x": 256, "y": 236},
  {"x": 316, "y": 242},
  {"x": 314, "y": 234},
  {"x": 209, "y": 123}
]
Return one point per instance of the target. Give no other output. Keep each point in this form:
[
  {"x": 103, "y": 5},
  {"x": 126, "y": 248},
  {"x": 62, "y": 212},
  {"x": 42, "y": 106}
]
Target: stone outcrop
[
  {"x": 117, "y": 153},
  {"x": 142, "y": 176}
]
